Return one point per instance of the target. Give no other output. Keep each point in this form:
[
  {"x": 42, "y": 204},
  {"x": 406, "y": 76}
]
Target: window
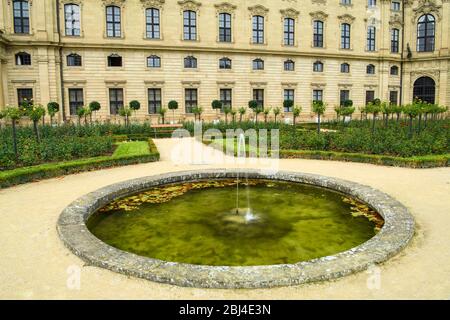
[
  {"x": 74, "y": 60},
  {"x": 113, "y": 21},
  {"x": 190, "y": 99},
  {"x": 370, "y": 96},
  {"x": 289, "y": 65},
  {"x": 258, "y": 96},
  {"x": 190, "y": 62},
  {"x": 372, "y": 3},
  {"x": 395, "y": 5},
  {"x": 371, "y": 32},
  {"x": 152, "y": 23},
  {"x": 190, "y": 25},
  {"x": 153, "y": 61},
  {"x": 21, "y": 13},
  {"x": 154, "y": 101},
  {"x": 317, "y": 95},
  {"x": 344, "y": 95},
  {"x": 318, "y": 66},
  {"x": 289, "y": 94},
  {"x": 258, "y": 29},
  {"x": 225, "y": 27},
  {"x": 115, "y": 100},
  {"x": 370, "y": 69},
  {"x": 226, "y": 98},
  {"x": 72, "y": 19},
  {"x": 114, "y": 60},
  {"x": 425, "y": 89},
  {"x": 345, "y": 36},
  {"x": 23, "y": 59},
  {"x": 425, "y": 33},
  {"x": 346, "y": 2},
  {"x": 76, "y": 100},
  {"x": 318, "y": 34},
  {"x": 225, "y": 63},
  {"x": 289, "y": 31},
  {"x": 345, "y": 68},
  {"x": 394, "y": 71},
  {"x": 395, "y": 40},
  {"x": 24, "y": 94},
  {"x": 258, "y": 64},
  {"x": 393, "y": 97}
]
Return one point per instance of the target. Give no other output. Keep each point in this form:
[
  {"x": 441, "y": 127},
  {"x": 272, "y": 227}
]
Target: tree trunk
[
  {"x": 410, "y": 127},
  {"x": 36, "y": 131},
  {"x": 240, "y": 117},
  {"x": 16, "y": 154},
  {"x": 318, "y": 123},
  {"x": 373, "y": 123}
]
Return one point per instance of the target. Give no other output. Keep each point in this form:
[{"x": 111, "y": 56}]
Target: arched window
[
  {"x": 425, "y": 89},
  {"x": 394, "y": 71},
  {"x": 73, "y": 60},
  {"x": 225, "y": 63},
  {"x": 345, "y": 36},
  {"x": 318, "y": 66},
  {"x": 318, "y": 34},
  {"x": 113, "y": 20},
  {"x": 153, "y": 61},
  {"x": 190, "y": 62},
  {"x": 21, "y": 13},
  {"x": 23, "y": 59},
  {"x": 345, "y": 68},
  {"x": 289, "y": 65},
  {"x": 152, "y": 23},
  {"x": 72, "y": 19},
  {"x": 258, "y": 64},
  {"x": 425, "y": 33},
  {"x": 370, "y": 69},
  {"x": 114, "y": 60},
  {"x": 258, "y": 29},
  {"x": 225, "y": 27},
  {"x": 190, "y": 25}
]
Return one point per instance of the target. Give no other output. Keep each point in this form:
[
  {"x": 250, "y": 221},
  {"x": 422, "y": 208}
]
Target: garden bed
[{"x": 125, "y": 154}]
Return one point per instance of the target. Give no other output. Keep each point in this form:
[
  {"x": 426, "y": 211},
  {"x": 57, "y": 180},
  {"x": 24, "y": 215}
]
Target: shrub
[{"x": 135, "y": 105}]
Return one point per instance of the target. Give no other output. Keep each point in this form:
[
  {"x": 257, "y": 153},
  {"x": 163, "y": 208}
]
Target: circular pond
[
  {"x": 194, "y": 229},
  {"x": 226, "y": 223}
]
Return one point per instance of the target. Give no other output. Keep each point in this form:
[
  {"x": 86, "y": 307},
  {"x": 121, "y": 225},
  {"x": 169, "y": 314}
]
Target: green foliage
[
  {"x": 288, "y": 104},
  {"x": 125, "y": 112},
  {"x": 173, "y": 105},
  {"x": 13, "y": 113},
  {"x": 318, "y": 107},
  {"x": 94, "y": 106},
  {"x": 253, "y": 104},
  {"x": 52, "y": 108},
  {"x": 135, "y": 105},
  {"x": 348, "y": 103},
  {"x": 216, "y": 104}
]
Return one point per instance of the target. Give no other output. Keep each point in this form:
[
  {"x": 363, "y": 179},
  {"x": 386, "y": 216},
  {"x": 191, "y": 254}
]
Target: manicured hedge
[{"x": 50, "y": 170}]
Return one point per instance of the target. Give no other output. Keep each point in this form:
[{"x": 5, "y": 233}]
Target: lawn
[{"x": 131, "y": 149}]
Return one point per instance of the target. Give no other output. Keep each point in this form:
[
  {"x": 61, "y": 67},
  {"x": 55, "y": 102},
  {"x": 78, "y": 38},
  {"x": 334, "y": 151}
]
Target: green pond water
[{"x": 292, "y": 223}]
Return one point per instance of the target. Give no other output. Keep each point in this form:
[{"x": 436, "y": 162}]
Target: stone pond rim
[{"x": 396, "y": 233}]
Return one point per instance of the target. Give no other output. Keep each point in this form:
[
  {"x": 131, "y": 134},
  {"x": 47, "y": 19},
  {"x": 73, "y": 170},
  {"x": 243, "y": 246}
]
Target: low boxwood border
[
  {"x": 429, "y": 161},
  {"x": 50, "y": 170}
]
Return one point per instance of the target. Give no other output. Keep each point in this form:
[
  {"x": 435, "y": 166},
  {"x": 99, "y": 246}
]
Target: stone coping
[{"x": 393, "y": 237}]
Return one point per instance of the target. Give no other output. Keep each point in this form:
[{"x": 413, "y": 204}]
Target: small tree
[
  {"x": 242, "y": 111},
  {"x": 387, "y": 109},
  {"x": 162, "y": 113},
  {"x": 227, "y": 111},
  {"x": 35, "y": 113},
  {"x": 266, "y": 113},
  {"x": 94, "y": 106},
  {"x": 135, "y": 106},
  {"x": 257, "y": 111},
  {"x": 398, "y": 111},
  {"x": 374, "y": 108},
  {"x": 52, "y": 108},
  {"x": 14, "y": 114},
  {"x": 347, "y": 112},
  {"x": 80, "y": 113},
  {"x": 296, "y": 113},
  {"x": 411, "y": 110},
  {"x": 288, "y": 104},
  {"x": 253, "y": 104},
  {"x": 276, "y": 112},
  {"x": 319, "y": 109},
  {"x": 197, "y": 111},
  {"x": 87, "y": 113},
  {"x": 173, "y": 105},
  {"x": 125, "y": 112},
  {"x": 217, "y": 105},
  {"x": 233, "y": 115}
]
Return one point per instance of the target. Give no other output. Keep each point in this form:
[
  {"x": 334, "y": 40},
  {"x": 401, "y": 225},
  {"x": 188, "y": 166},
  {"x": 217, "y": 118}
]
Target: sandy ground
[{"x": 34, "y": 264}]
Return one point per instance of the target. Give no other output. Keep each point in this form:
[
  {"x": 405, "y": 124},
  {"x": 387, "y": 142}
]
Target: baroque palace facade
[{"x": 195, "y": 51}]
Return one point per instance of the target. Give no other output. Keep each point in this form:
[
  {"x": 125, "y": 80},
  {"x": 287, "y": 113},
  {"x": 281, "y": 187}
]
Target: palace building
[{"x": 195, "y": 51}]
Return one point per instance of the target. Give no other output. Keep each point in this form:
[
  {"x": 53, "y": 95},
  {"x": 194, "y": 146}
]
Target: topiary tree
[
  {"x": 227, "y": 111},
  {"x": 398, "y": 111},
  {"x": 257, "y": 111},
  {"x": 266, "y": 114},
  {"x": 125, "y": 112},
  {"x": 35, "y": 113},
  {"x": 276, "y": 112},
  {"x": 217, "y": 105},
  {"x": 173, "y": 105},
  {"x": 135, "y": 105},
  {"x": 411, "y": 110},
  {"x": 14, "y": 114},
  {"x": 162, "y": 112},
  {"x": 319, "y": 109},
  {"x": 374, "y": 108},
  {"x": 197, "y": 111},
  {"x": 288, "y": 104},
  {"x": 94, "y": 106},
  {"x": 296, "y": 113},
  {"x": 52, "y": 108},
  {"x": 233, "y": 115},
  {"x": 242, "y": 112},
  {"x": 80, "y": 113},
  {"x": 253, "y": 104}
]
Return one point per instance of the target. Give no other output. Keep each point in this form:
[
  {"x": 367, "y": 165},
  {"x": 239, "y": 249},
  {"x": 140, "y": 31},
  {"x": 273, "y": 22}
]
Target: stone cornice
[
  {"x": 258, "y": 10},
  {"x": 152, "y": 4}
]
